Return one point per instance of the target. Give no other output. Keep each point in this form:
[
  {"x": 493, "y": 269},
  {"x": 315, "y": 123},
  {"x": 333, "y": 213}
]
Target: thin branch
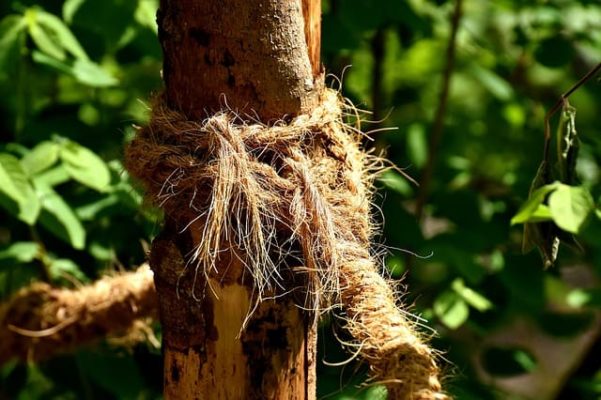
[
  {"x": 560, "y": 103},
  {"x": 438, "y": 125}
]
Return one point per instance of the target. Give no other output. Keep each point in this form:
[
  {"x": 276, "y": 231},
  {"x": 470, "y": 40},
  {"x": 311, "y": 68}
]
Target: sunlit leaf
[
  {"x": 146, "y": 14},
  {"x": 54, "y": 176},
  {"x": 451, "y": 309},
  {"x": 19, "y": 252},
  {"x": 70, "y": 7},
  {"x": 496, "y": 85},
  {"x": 43, "y": 39},
  {"x": 394, "y": 181},
  {"x": 58, "y": 217},
  {"x": 85, "y": 166},
  {"x": 40, "y": 158},
  {"x": 60, "y": 267},
  {"x": 85, "y": 71},
  {"x": 584, "y": 298},
  {"x": 531, "y": 206},
  {"x": 570, "y": 206},
  {"x": 92, "y": 74},
  {"x": 62, "y": 34},
  {"x": 540, "y": 214},
  {"x": 417, "y": 145},
  {"x": 9, "y": 168},
  {"x": 14, "y": 183},
  {"x": 51, "y": 62},
  {"x": 473, "y": 298}
]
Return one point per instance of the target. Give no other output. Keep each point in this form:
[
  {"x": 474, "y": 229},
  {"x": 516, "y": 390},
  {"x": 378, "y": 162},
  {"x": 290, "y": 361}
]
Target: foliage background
[{"x": 75, "y": 76}]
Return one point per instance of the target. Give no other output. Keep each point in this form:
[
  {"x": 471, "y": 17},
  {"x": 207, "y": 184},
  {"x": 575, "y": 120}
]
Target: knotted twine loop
[{"x": 289, "y": 194}]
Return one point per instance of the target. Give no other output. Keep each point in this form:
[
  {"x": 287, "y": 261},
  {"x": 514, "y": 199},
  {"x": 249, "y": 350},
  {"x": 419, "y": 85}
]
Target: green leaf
[
  {"x": 417, "y": 145},
  {"x": 85, "y": 166},
  {"x": 451, "y": 309},
  {"x": 570, "y": 206},
  {"x": 62, "y": 33},
  {"x": 89, "y": 211},
  {"x": 145, "y": 14},
  {"x": 12, "y": 28},
  {"x": 542, "y": 213},
  {"x": 70, "y": 7},
  {"x": 531, "y": 206},
  {"x": 42, "y": 38},
  {"x": 396, "y": 266},
  {"x": 53, "y": 177},
  {"x": 19, "y": 253},
  {"x": 84, "y": 71},
  {"x": 394, "y": 181},
  {"x": 578, "y": 298},
  {"x": 15, "y": 185},
  {"x": 92, "y": 74},
  {"x": 58, "y": 217},
  {"x": 40, "y": 158},
  {"x": 60, "y": 267},
  {"x": 101, "y": 251},
  {"x": 472, "y": 297},
  {"x": 496, "y": 85},
  {"x": 53, "y": 63},
  {"x": 8, "y": 169}
]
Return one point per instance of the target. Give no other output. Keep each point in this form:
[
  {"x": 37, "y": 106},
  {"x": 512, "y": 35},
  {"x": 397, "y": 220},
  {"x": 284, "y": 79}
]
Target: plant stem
[
  {"x": 438, "y": 125},
  {"x": 560, "y": 103}
]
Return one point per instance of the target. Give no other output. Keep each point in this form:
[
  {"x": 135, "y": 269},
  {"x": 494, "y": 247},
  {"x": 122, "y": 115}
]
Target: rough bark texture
[
  {"x": 260, "y": 59},
  {"x": 251, "y": 56}
]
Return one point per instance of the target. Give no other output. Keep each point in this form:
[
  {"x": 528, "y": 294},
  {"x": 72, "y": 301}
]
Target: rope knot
[{"x": 285, "y": 195}]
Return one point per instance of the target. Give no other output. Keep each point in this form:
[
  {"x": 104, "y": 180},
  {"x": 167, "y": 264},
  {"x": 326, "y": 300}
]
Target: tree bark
[
  {"x": 250, "y": 56},
  {"x": 260, "y": 59}
]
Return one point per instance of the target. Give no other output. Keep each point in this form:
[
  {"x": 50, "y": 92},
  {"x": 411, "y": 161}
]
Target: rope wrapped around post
[{"x": 292, "y": 196}]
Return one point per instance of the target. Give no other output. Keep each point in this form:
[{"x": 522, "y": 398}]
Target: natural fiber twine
[
  {"x": 289, "y": 194},
  {"x": 40, "y": 321}
]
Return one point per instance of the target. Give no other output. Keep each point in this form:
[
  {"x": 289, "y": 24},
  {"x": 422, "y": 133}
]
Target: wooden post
[{"x": 259, "y": 58}]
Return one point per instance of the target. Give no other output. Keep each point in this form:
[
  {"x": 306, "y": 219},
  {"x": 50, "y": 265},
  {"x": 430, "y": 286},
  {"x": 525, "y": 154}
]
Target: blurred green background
[{"x": 76, "y": 75}]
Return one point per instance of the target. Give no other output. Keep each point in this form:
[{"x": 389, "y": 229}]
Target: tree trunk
[{"x": 260, "y": 59}]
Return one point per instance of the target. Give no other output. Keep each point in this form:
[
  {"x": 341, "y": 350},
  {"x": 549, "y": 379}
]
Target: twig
[
  {"x": 559, "y": 104},
  {"x": 437, "y": 127}
]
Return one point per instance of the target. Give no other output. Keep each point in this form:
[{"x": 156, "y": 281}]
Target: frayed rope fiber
[
  {"x": 289, "y": 194},
  {"x": 40, "y": 321}
]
